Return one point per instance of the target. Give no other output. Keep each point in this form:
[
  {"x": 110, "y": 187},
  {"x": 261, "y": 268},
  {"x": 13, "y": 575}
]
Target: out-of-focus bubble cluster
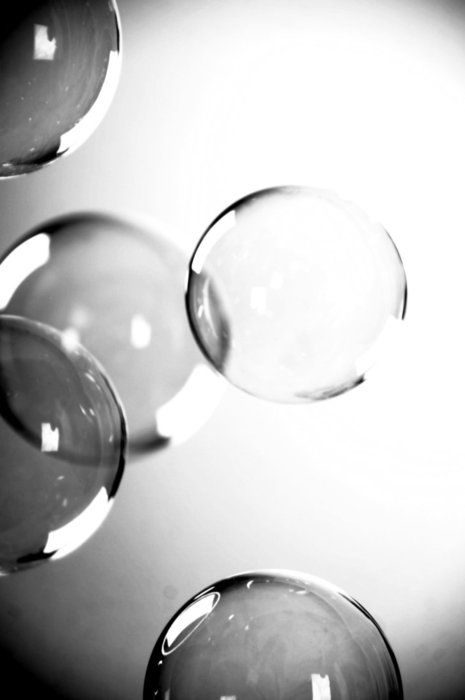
[
  {"x": 117, "y": 287},
  {"x": 62, "y": 433}
]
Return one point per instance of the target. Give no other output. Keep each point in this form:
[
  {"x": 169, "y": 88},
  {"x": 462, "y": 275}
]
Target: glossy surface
[
  {"x": 273, "y": 635},
  {"x": 59, "y": 65},
  {"x": 290, "y": 291},
  {"x": 117, "y": 287},
  {"x": 62, "y": 436}
]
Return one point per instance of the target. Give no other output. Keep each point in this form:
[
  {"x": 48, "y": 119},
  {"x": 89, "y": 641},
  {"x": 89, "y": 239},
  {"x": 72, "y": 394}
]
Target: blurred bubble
[
  {"x": 59, "y": 66},
  {"x": 117, "y": 287},
  {"x": 63, "y": 438},
  {"x": 273, "y": 635},
  {"x": 292, "y": 291}
]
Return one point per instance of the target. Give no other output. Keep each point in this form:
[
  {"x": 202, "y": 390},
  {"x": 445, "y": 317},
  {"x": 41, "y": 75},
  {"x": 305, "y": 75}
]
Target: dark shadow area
[{"x": 20, "y": 682}]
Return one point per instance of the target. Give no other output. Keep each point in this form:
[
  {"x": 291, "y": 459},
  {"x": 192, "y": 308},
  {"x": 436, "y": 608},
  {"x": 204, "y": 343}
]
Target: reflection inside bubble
[{"x": 63, "y": 440}]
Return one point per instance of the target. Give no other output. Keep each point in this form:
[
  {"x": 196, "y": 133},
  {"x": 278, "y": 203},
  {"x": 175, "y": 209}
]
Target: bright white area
[
  {"x": 321, "y": 689},
  {"x": 69, "y": 537},
  {"x": 44, "y": 48},
  {"x": 22, "y": 262},
  {"x": 191, "y": 617},
  {"x": 50, "y": 438},
  {"x": 191, "y": 407},
  {"x": 141, "y": 332}
]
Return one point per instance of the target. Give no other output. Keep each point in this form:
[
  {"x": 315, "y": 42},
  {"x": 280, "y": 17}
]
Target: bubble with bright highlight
[
  {"x": 117, "y": 287},
  {"x": 273, "y": 635},
  {"x": 63, "y": 439},
  {"x": 59, "y": 67},
  {"x": 292, "y": 291}
]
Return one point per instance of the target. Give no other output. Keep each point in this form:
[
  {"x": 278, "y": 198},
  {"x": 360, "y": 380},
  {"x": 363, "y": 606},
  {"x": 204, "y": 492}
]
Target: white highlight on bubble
[
  {"x": 22, "y": 262},
  {"x": 190, "y": 408},
  {"x": 70, "y": 339},
  {"x": 44, "y": 48},
  {"x": 50, "y": 438},
  {"x": 141, "y": 332},
  {"x": 320, "y": 687},
  {"x": 69, "y": 537},
  {"x": 195, "y": 613}
]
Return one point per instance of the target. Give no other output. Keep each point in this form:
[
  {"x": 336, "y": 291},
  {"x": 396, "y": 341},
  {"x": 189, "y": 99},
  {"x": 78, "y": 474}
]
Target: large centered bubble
[
  {"x": 290, "y": 290},
  {"x": 59, "y": 65},
  {"x": 117, "y": 287},
  {"x": 272, "y": 636},
  {"x": 62, "y": 436}
]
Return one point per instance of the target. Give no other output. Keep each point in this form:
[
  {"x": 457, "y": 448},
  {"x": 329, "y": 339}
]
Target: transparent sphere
[
  {"x": 290, "y": 291},
  {"x": 59, "y": 65},
  {"x": 117, "y": 287},
  {"x": 272, "y": 636},
  {"x": 62, "y": 434}
]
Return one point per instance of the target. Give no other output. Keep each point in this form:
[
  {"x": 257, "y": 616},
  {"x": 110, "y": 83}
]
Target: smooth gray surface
[{"x": 366, "y": 490}]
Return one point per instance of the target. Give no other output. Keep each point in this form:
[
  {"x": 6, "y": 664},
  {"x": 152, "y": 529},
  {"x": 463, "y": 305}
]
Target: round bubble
[
  {"x": 63, "y": 440},
  {"x": 272, "y": 635},
  {"x": 117, "y": 286},
  {"x": 291, "y": 291},
  {"x": 59, "y": 67}
]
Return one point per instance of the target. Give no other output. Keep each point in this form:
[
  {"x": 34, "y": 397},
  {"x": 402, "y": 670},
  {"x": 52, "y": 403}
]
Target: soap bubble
[
  {"x": 272, "y": 636},
  {"x": 290, "y": 292},
  {"x": 59, "y": 66},
  {"x": 117, "y": 287},
  {"x": 63, "y": 436}
]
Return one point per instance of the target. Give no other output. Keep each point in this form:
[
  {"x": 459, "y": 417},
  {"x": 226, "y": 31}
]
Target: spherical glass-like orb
[
  {"x": 62, "y": 433},
  {"x": 290, "y": 291},
  {"x": 117, "y": 287},
  {"x": 59, "y": 66},
  {"x": 272, "y": 636}
]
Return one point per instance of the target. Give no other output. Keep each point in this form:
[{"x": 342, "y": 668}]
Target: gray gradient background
[{"x": 218, "y": 98}]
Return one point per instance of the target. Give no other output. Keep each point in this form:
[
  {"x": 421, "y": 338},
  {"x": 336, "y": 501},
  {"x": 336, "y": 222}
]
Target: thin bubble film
[
  {"x": 63, "y": 439},
  {"x": 59, "y": 67},
  {"x": 272, "y": 635},
  {"x": 291, "y": 291}
]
